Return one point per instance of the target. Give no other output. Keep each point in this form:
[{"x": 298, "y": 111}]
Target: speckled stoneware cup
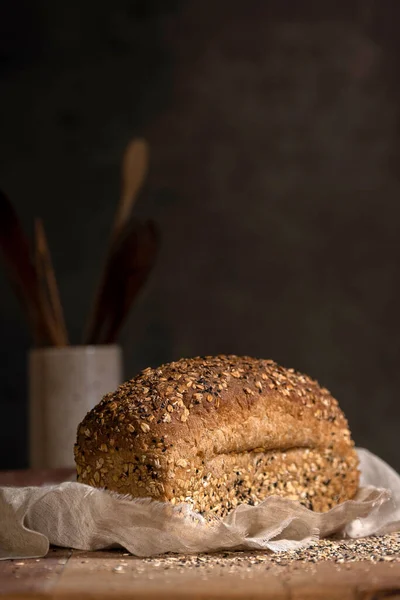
[{"x": 64, "y": 384}]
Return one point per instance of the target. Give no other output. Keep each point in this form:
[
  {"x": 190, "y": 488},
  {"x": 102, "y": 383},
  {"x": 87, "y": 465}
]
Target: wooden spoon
[
  {"x": 133, "y": 260},
  {"x": 134, "y": 170}
]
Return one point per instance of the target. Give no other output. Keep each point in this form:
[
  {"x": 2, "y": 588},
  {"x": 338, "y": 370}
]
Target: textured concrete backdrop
[{"x": 274, "y": 129}]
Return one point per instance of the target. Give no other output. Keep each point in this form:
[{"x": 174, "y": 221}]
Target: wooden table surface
[{"x": 66, "y": 573}]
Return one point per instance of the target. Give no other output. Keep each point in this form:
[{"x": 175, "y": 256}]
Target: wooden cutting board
[{"x": 110, "y": 575}]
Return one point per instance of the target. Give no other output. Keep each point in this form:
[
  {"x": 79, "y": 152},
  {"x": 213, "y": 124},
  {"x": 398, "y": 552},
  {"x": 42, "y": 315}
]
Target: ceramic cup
[{"x": 64, "y": 384}]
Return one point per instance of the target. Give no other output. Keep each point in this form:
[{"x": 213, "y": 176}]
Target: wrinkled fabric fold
[{"x": 77, "y": 516}]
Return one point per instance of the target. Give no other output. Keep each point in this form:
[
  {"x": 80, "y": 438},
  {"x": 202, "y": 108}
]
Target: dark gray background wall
[{"x": 274, "y": 132}]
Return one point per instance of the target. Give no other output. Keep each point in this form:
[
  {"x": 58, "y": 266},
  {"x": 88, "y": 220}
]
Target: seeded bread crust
[{"x": 217, "y": 431}]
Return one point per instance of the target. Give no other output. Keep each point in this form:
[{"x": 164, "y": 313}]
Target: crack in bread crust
[{"x": 318, "y": 479}]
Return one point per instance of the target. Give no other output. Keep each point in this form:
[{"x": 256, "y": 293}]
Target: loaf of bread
[{"x": 219, "y": 431}]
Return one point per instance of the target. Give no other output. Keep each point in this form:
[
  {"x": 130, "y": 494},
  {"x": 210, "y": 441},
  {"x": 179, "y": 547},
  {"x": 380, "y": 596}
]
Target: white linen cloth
[{"x": 75, "y": 515}]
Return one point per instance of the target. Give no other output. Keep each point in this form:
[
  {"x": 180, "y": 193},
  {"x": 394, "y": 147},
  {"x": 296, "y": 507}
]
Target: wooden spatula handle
[
  {"x": 49, "y": 294},
  {"x": 16, "y": 254}
]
